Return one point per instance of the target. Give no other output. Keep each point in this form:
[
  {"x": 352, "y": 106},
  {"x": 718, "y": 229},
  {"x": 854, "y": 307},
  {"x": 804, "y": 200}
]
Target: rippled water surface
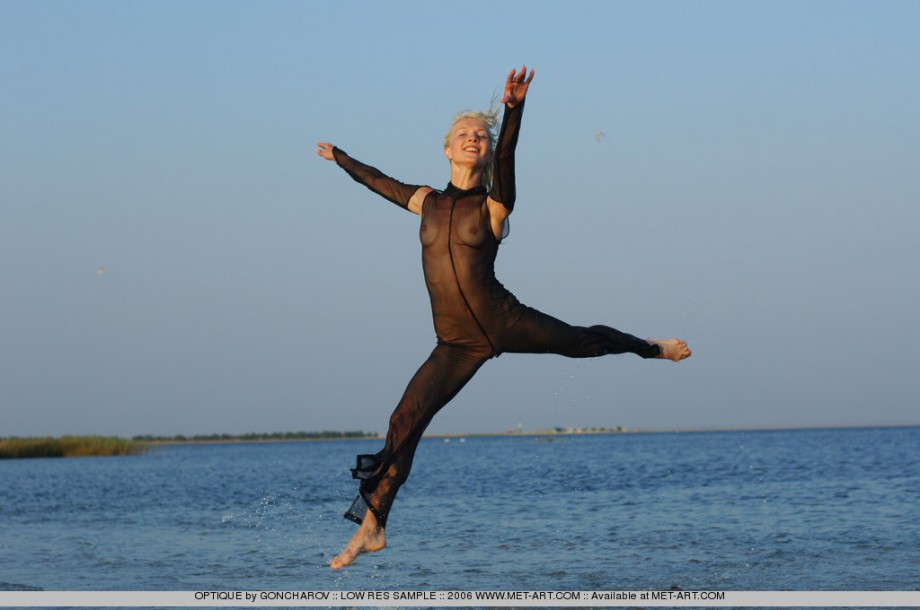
[{"x": 793, "y": 510}]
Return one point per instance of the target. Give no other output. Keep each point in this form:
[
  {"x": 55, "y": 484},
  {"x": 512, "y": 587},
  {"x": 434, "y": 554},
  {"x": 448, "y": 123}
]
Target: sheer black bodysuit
[{"x": 475, "y": 317}]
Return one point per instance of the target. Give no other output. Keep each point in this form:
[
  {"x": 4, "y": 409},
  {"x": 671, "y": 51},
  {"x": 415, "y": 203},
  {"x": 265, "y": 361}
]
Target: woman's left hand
[{"x": 516, "y": 87}]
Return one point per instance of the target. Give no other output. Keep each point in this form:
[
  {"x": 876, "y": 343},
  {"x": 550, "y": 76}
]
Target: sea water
[{"x": 767, "y": 510}]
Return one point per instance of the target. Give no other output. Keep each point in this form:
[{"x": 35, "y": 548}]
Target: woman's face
[{"x": 469, "y": 143}]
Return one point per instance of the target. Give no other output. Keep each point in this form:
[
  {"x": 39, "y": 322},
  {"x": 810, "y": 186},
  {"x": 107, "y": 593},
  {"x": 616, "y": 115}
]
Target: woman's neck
[{"x": 465, "y": 178}]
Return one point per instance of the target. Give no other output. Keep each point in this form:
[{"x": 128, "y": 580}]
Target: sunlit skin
[
  {"x": 368, "y": 539},
  {"x": 672, "y": 349},
  {"x": 469, "y": 152}
]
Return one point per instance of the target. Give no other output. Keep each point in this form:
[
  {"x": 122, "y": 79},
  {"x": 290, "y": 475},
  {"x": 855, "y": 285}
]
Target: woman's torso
[{"x": 469, "y": 305}]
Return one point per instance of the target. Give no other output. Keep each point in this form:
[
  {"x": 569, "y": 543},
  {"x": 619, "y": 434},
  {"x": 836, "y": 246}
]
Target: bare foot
[
  {"x": 672, "y": 349},
  {"x": 368, "y": 539}
]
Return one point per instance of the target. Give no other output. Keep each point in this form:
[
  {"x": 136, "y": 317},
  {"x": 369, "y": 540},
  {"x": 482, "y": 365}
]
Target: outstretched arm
[
  {"x": 503, "y": 192},
  {"x": 407, "y": 196}
]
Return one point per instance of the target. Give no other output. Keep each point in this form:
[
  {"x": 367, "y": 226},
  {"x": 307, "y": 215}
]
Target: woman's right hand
[{"x": 324, "y": 150}]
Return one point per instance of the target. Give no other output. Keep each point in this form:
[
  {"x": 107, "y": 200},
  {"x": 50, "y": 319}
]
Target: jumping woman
[{"x": 475, "y": 317}]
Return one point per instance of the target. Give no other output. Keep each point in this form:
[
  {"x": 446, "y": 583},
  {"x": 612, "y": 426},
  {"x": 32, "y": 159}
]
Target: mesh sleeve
[
  {"x": 503, "y": 189},
  {"x": 375, "y": 180}
]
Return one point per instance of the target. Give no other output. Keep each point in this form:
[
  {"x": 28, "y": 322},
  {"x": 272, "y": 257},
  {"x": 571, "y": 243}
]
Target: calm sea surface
[{"x": 788, "y": 510}]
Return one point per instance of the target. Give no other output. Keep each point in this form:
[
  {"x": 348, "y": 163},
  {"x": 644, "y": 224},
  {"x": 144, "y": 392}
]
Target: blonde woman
[{"x": 475, "y": 317}]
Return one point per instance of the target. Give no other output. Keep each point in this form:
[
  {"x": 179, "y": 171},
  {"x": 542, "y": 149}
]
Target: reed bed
[{"x": 69, "y": 446}]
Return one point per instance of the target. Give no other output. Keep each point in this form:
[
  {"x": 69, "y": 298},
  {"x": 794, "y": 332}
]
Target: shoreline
[
  {"x": 537, "y": 433},
  {"x": 611, "y": 431},
  {"x": 89, "y": 445}
]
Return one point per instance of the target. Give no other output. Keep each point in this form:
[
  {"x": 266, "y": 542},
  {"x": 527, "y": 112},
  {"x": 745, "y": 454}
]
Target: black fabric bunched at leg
[
  {"x": 366, "y": 467},
  {"x": 365, "y": 470}
]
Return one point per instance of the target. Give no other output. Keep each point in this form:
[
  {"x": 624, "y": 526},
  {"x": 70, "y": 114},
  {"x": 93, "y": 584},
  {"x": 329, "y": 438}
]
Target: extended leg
[
  {"x": 438, "y": 380},
  {"x": 538, "y": 333}
]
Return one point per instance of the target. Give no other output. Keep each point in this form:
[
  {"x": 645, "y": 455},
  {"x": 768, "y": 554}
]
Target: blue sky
[{"x": 756, "y": 194}]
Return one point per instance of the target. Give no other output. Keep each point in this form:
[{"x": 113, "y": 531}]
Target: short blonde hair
[{"x": 490, "y": 120}]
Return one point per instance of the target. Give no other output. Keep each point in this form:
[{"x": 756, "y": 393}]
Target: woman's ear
[{"x": 447, "y": 154}]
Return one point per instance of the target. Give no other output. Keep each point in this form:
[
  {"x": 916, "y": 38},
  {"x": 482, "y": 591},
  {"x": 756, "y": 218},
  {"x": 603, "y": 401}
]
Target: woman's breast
[{"x": 463, "y": 222}]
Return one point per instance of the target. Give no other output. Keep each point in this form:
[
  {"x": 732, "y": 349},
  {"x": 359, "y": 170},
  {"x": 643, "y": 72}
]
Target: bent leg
[
  {"x": 538, "y": 333},
  {"x": 437, "y": 381}
]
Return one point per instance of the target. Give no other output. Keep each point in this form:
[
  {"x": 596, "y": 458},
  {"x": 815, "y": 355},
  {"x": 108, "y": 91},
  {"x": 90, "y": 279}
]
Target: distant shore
[
  {"x": 257, "y": 437},
  {"x": 86, "y": 446},
  {"x": 69, "y": 446}
]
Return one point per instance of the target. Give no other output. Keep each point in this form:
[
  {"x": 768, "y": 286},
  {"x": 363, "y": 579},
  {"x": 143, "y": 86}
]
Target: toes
[{"x": 341, "y": 561}]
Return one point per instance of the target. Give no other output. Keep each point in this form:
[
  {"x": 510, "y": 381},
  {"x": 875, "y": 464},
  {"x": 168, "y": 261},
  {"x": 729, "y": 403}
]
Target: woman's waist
[{"x": 492, "y": 312}]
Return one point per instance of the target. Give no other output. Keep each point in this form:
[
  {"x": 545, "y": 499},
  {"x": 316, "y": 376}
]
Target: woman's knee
[{"x": 397, "y": 473}]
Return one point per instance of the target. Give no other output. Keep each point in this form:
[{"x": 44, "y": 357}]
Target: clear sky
[{"x": 175, "y": 259}]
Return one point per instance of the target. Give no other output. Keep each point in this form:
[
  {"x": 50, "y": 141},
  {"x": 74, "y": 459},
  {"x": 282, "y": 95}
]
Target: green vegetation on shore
[
  {"x": 83, "y": 446},
  {"x": 69, "y": 446},
  {"x": 256, "y": 437}
]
